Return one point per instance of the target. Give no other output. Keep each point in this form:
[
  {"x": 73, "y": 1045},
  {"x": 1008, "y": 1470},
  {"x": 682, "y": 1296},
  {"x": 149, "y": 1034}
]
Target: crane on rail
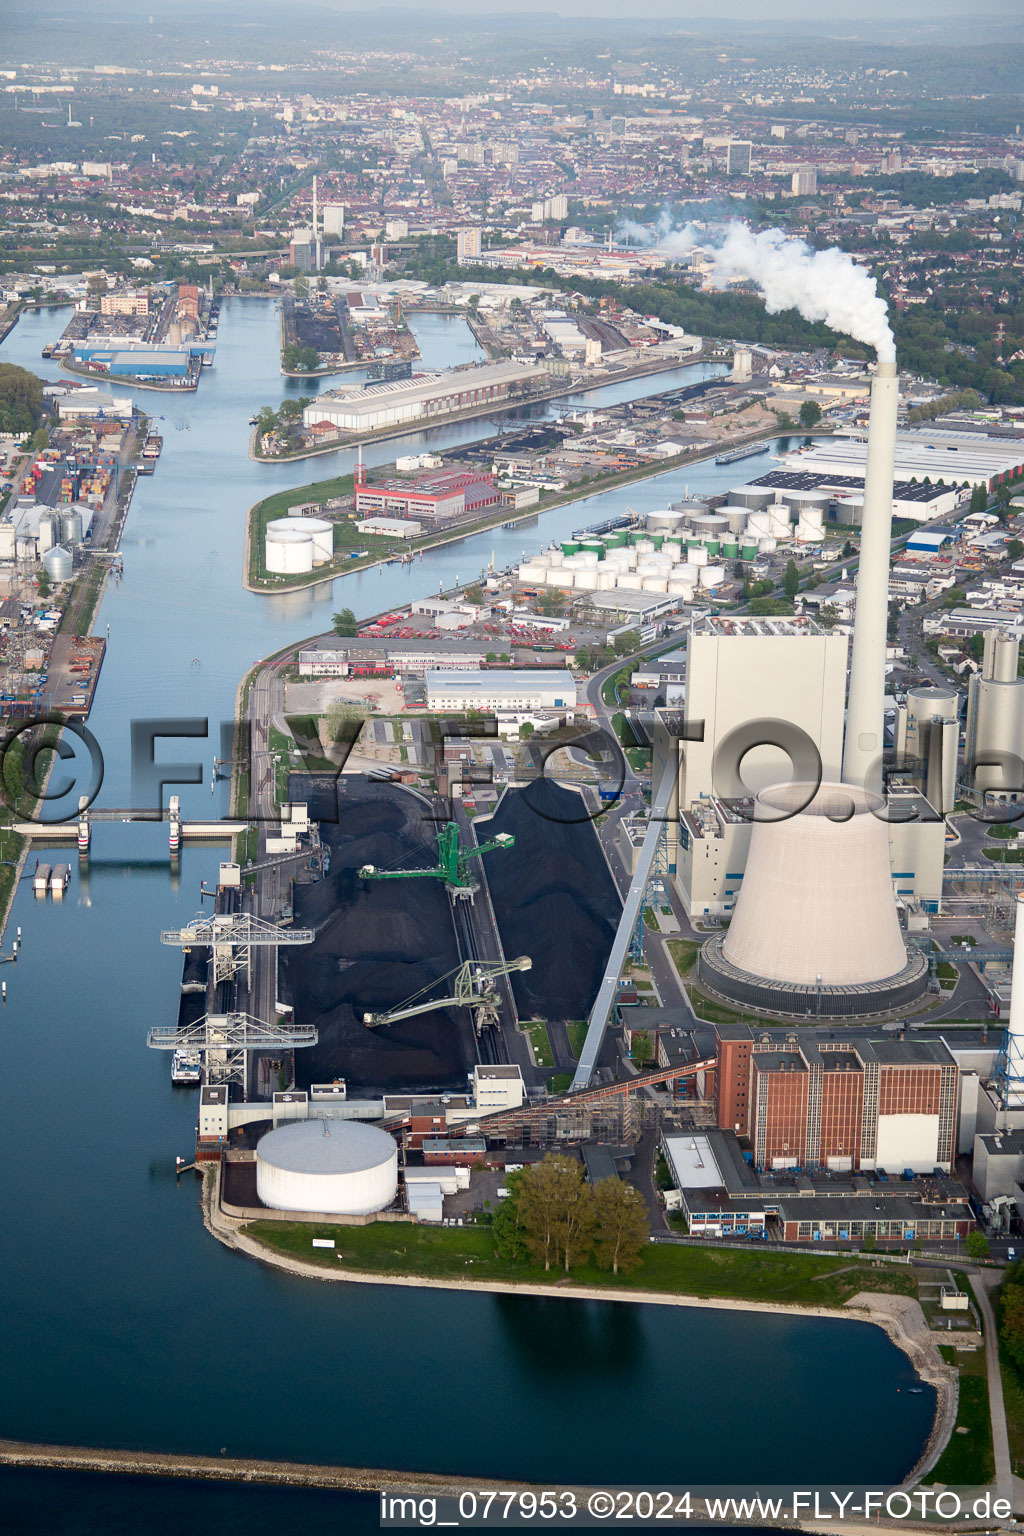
[
  {"x": 453, "y": 862},
  {"x": 471, "y": 987}
]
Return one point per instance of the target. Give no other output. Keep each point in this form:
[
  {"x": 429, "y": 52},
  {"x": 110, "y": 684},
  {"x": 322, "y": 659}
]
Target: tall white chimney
[
  {"x": 862, "y": 746},
  {"x": 1015, "y": 1028}
]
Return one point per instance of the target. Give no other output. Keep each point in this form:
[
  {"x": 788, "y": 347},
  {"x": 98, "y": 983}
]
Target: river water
[{"x": 125, "y": 1323}]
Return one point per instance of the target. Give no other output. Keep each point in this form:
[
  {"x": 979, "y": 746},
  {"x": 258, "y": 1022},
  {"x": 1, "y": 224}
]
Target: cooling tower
[
  {"x": 815, "y": 929},
  {"x": 862, "y": 746}
]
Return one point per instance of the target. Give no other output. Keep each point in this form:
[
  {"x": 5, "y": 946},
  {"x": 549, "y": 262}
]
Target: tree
[
  {"x": 848, "y": 550},
  {"x": 828, "y": 613},
  {"x": 474, "y": 594},
  {"x": 1011, "y": 1318},
  {"x": 576, "y": 1227},
  {"x": 1014, "y": 549},
  {"x": 976, "y": 647},
  {"x": 641, "y": 1048},
  {"x": 507, "y": 1225},
  {"x": 526, "y": 730},
  {"x": 623, "y": 1228},
  {"x": 810, "y": 413},
  {"x": 628, "y": 642},
  {"x": 979, "y": 499},
  {"x": 791, "y": 580},
  {"x": 345, "y": 622},
  {"x": 43, "y": 582},
  {"x": 977, "y": 1245},
  {"x": 550, "y": 1200},
  {"x": 266, "y": 420}
]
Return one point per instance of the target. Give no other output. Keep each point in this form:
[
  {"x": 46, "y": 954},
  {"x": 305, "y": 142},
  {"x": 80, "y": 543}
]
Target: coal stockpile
[
  {"x": 554, "y": 899},
  {"x": 377, "y": 942}
]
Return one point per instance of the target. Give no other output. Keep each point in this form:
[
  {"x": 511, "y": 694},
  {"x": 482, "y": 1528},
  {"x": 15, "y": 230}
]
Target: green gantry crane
[
  {"x": 453, "y": 862},
  {"x": 471, "y": 988}
]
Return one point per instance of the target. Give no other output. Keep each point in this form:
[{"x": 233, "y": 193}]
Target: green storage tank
[
  {"x": 657, "y": 539},
  {"x": 615, "y": 540},
  {"x": 730, "y": 549},
  {"x": 748, "y": 549},
  {"x": 570, "y": 547},
  {"x": 594, "y": 546},
  {"x": 712, "y": 546}
]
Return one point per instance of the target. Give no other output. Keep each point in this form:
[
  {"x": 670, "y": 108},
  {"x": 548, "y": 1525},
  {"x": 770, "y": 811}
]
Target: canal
[{"x": 126, "y": 1324}]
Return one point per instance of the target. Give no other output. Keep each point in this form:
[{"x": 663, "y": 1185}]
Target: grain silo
[{"x": 340, "y": 1167}]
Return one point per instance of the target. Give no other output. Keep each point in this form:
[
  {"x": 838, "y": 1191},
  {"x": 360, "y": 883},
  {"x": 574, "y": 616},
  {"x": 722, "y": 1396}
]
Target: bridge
[{"x": 79, "y": 827}]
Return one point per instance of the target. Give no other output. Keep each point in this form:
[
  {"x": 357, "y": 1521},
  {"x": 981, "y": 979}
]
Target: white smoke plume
[{"x": 820, "y": 285}]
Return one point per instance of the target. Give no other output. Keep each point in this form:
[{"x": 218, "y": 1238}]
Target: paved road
[{"x": 981, "y": 1282}]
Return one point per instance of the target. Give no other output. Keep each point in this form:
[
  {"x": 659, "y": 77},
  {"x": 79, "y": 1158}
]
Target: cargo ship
[{"x": 736, "y": 454}]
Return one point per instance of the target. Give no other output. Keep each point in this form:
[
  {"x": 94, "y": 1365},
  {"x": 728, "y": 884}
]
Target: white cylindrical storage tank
[
  {"x": 555, "y": 558},
  {"x": 644, "y": 546},
  {"x": 780, "y": 526},
  {"x": 606, "y": 581},
  {"x": 805, "y": 501},
  {"x": 681, "y": 588},
  {"x": 655, "y": 584},
  {"x": 810, "y": 529},
  {"x": 587, "y": 579},
  {"x": 667, "y": 520},
  {"x": 698, "y": 555},
  {"x": 59, "y": 563},
  {"x": 752, "y": 496},
  {"x": 341, "y": 1167},
  {"x": 587, "y": 560},
  {"x": 318, "y": 529},
  {"x": 712, "y": 524},
  {"x": 288, "y": 552},
  {"x": 713, "y": 575},
  {"x": 767, "y": 546},
  {"x": 558, "y": 578},
  {"x": 759, "y": 525},
  {"x": 850, "y": 509},
  {"x": 526, "y": 571}
]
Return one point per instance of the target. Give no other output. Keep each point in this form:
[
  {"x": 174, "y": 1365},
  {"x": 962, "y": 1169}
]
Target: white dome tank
[
  {"x": 555, "y": 557},
  {"x": 681, "y": 588},
  {"x": 644, "y": 546},
  {"x": 759, "y": 525},
  {"x": 606, "y": 581},
  {"x": 655, "y": 584},
  {"x": 698, "y": 555},
  {"x": 767, "y": 546},
  {"x": 318, "y": 528},
  {"x": 288, "y": 552},
  {"x": 712, "y": 576},
  {"x": 588, "y": 579},
  {"x": 341, "y": 1167}
]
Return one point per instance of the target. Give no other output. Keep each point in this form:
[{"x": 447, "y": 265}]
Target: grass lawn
[
  {"x": 1013, "y": 1398},
  {"x": 538, "y": 1033},
  {"x": 577, "y": 1032},
  {"x": 392, "y": 1248},
  {"x": 1004, "y": 855},
  {"x": 560, "y": 1082},
  {"x": 967, "y": 1461},
  {"x": 684, "y": 954}
]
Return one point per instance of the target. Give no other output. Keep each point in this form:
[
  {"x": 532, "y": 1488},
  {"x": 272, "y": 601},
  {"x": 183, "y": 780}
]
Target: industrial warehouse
[{"x": 369, "y": 407}]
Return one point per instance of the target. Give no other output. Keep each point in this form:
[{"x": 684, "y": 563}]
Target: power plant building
[{"x": 844, "y": 1106}]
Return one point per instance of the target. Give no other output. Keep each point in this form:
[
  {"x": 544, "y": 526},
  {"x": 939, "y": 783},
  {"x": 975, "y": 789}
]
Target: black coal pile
[
  {"x": 377, "y": 942},
  {"x": 554, "y": 899}
]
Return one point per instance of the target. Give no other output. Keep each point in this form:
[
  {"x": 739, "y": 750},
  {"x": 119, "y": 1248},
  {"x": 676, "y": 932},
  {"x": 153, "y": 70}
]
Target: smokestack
[
  {"x": 315, "y": 211},
  {"x": 1013, "y": 1050},
  {"x": 862, "y": 747}
]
